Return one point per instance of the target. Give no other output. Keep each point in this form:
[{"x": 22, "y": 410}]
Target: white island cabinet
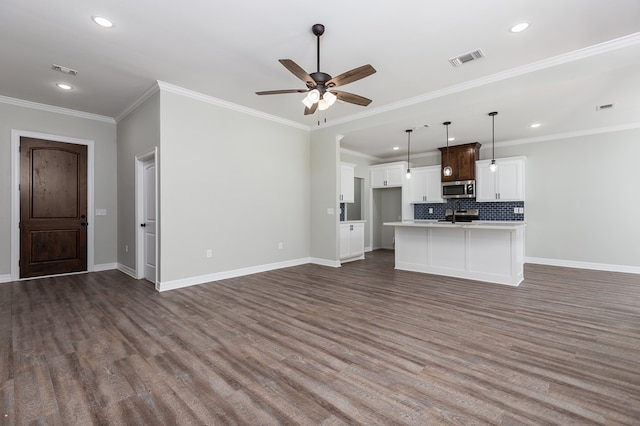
[{"x": 483, "y": 251}]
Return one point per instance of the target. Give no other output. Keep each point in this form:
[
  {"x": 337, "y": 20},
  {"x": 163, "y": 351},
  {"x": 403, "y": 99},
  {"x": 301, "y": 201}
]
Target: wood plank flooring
[{"x": 311, "y": 345}]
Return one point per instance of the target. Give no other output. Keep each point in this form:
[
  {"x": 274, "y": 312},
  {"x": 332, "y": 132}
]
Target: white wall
[
  {"x": 582, "y": 201},
  {"x": 138, "y": 132},
  {"x": 102, "y": 131},
  {"x": 232, "y": 183}
]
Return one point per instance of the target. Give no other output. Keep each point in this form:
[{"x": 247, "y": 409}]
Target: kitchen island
[{"x": 484, "y": 251}]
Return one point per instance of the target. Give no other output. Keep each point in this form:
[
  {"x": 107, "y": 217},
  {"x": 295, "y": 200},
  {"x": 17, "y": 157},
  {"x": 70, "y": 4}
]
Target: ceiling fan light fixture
[
  {"x": 323, "y": 104},
  {"x": 329, "y": 97}
]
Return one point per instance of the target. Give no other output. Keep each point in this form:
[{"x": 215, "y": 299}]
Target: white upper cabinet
[
  {"x": 347, "y": 174},
  {"x": 425, "y": 185},
  {"x": 505, "y": 184},
  {"x": 388, "y": 175}
]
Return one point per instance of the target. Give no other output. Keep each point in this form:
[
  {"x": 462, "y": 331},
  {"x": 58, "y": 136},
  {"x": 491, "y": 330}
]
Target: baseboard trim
[
  {"x": 126, "y": 270},
  {"x": 105, "y": 267},
  {"x": 583, "y": 265},
  {"x": 202, "y": 279},
  {"x": 325, "y": 262},
  {"x": 5, "y": 278}
]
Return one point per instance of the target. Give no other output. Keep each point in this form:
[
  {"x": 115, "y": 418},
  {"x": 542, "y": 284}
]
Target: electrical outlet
[
  {"x": 280, "y": 246},
  {"x": 209, "y": 253},
  {"x": 330, "y": 210},
  {"x": 126, "y": 248},
  {"x": 515, "y": 210},
  {"x": 521, "y": 210},
  {"x": 430, "y": 210}
]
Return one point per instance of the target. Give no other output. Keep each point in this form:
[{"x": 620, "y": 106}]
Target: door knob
[{"x": 143, "y": 224}]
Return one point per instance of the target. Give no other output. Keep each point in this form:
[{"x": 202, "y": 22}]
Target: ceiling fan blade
[
  {"x": 351, "y": 98},
  {"x": 298, "y": 72},
  {"x": 279, "y": 92},
  {"x": 309, "y": 111},
  {"x": 351, "y": 76}
]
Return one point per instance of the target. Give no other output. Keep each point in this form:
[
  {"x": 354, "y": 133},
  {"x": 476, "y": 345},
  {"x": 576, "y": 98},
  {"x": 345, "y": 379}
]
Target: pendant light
[
  {"x": 493, "y": 166},
  {"x": 408, "y": 151},
  {"x": 447, "y": 170}
]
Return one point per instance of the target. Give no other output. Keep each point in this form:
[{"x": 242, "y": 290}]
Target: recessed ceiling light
[
  {"x": 518, "y": 28},
  {"x": 534, "y": 125},
  {"x": 64, "y": 86},
  {"x": 395, "y": 148},
  {"x": 102, "y": 21}
]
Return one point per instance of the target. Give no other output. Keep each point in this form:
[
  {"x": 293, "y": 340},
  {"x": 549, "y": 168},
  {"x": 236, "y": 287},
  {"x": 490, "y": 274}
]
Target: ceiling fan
[{"x": 320, "y": 86}]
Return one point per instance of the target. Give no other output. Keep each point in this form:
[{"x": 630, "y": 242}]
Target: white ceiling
[{"x": 576, "y": 55}]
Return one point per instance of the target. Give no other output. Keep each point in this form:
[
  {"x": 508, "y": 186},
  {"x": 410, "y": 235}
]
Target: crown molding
[
  {"x": 146, "y": 95},
  {"x": 228, "y": 105},
  {"x": 596, "y": 49},
  {"x": 568, "y": 135},
  {"x": 56, "y": 109},
  {"x": 360, "y": 154}
]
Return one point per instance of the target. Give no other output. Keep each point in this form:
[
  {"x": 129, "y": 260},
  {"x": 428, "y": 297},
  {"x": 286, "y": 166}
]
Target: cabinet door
[
  {"x": 505, "y": 184},
  {"x": 356, "y": 239},
  {"x": 433, "y": 185},
  {"x": 347, "y": 173},
  {"x": 510, "y": 180},
  {"x": 394, "y": 175},
  {"x": 378, "y": 178},
  {"x": 345, "y": 241},
  {"x": 485, "y": 182},
  {"x": 418, "y": 186}
]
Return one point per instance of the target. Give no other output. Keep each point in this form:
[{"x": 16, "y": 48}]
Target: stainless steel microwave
[{"x": 459, "y": 189}]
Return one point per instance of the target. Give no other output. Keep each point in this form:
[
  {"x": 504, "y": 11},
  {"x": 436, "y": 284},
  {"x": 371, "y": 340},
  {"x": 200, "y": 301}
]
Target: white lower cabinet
[{"x": 351, "y": 241}]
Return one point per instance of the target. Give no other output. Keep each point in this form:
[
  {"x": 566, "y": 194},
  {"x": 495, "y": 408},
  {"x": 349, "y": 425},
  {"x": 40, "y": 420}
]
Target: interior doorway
[{"x": 146, "y": 216}]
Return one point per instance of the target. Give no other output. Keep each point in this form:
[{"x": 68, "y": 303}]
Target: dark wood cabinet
[{"x": 462, "y": 159}]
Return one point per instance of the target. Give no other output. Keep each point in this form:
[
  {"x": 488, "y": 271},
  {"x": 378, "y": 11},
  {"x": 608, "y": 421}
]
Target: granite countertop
[{"x": 476, "y": 224}]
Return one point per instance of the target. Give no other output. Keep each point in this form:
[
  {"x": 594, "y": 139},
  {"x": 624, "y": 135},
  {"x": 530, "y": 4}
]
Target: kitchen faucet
[{"x": 456, "y": 206}]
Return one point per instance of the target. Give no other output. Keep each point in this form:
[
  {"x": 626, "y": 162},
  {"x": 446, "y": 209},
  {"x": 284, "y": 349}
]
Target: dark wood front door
[{"x": 53, "y": 207}]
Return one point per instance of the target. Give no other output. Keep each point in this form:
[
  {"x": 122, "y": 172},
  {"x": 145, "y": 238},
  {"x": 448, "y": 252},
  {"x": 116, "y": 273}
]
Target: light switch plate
[
  {"x": 329, "y": 210},
  {"x": 101, "y": 212}
]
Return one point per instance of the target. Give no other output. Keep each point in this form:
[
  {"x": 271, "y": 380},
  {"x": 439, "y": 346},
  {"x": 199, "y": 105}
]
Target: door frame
[
  {"x": 15, "y": 195},
  {"x": 141, "y": 159}
]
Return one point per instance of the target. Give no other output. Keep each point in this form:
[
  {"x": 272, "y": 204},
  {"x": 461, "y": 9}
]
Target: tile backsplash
[{"x": 502, "y": 211}]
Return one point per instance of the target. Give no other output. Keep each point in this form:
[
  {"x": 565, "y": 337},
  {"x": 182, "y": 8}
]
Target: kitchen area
[{"x": 466, "y": 224}]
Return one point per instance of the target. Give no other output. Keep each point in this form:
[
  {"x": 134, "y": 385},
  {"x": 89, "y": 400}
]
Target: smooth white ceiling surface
[{"x": 577, "y": 54}]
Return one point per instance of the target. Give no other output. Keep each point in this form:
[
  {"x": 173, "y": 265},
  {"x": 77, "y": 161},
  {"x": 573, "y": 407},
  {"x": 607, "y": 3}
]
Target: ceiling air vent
[
  {"x": 64, "y": 70},
  {"x": 467, "y": 57},
  {"x": 604, "y": 107}
]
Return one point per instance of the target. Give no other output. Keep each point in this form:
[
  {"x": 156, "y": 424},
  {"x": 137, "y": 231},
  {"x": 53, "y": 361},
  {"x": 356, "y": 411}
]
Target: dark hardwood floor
[{"x": 361, "y": 344}]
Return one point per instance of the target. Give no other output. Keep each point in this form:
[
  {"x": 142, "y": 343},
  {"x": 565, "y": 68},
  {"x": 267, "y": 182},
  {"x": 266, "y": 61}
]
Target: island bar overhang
[{"x": 482, "y": 251}]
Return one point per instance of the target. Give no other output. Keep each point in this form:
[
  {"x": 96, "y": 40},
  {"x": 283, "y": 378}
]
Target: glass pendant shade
[
  {"x": 330, "y": 98},
  {"x": 409, "y": 152},
  {"x": 312, "y": 97},
  {"x": 307, "y": 102},
  {"x": 447, "y": 170},
  {"x": 493, "y": 166},
  {"x": 323, "y": 104}
]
